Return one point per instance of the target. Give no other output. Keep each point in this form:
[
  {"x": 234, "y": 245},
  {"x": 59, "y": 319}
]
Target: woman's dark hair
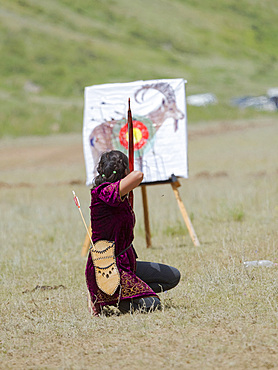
[{"x": 111, "y": 167}]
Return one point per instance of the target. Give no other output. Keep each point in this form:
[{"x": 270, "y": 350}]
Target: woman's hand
[{"x": 131, "y": 181}]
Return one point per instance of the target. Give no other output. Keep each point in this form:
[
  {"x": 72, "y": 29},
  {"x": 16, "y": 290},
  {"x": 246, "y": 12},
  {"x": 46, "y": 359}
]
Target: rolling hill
[{"x": 51, "y": 50}]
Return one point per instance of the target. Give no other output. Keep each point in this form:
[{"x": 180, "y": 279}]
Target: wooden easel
[{"x": 175, "y": 185}]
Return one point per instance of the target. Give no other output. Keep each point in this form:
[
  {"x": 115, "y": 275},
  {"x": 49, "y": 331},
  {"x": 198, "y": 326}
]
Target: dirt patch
[
  {"x": 195, "y": 132},
  {"x": 56, "y": 153},
  {"x": 44, "y": 287},
  {"x": 19, "y": 185},
  {"x": 209, "y": 175},
  {"x": 7, "y": 185}
]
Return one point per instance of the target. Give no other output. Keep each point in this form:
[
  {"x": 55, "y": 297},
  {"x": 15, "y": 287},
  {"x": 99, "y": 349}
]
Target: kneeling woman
[{"x": 112, "y": 218}]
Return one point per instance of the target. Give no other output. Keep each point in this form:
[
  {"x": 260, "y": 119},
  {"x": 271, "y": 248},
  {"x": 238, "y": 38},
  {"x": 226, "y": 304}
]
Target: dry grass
[{"x": 220, "y": 316}]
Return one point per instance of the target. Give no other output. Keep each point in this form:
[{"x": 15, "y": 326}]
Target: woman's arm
[{"x": 130, "y": 182}]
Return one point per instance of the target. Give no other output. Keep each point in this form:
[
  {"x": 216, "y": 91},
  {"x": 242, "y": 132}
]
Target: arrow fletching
[{"x": 76, "y": 200}]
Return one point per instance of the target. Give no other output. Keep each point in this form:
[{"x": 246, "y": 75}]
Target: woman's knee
[{"x": 176, "y": 276}]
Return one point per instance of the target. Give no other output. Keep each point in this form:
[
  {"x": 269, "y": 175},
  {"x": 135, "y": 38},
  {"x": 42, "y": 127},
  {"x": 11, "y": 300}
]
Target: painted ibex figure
[
  {"x": 168, "y": 107},
  {"x": 101, "y": 136}
]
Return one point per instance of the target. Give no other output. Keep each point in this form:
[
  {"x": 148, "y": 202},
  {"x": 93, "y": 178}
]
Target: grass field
[{"x": 221, "y": 315}]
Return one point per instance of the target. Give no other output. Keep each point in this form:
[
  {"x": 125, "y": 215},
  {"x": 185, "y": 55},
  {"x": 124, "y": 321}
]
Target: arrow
[{"x": 76, "y": 200}]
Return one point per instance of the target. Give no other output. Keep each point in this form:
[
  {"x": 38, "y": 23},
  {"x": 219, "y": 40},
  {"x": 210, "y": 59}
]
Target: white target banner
[{"x": 159, "y": 126}]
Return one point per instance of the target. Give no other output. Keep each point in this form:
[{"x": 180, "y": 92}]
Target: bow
[{"x": 130, "y": 148}]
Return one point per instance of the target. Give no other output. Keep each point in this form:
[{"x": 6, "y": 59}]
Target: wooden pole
[
  {"x": 146, "y": 216},
  {"x": 185, "y": 216}
]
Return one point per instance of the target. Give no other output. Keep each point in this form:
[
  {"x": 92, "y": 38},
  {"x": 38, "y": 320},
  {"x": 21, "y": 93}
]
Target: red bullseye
[{"x": 140, "y": 135}]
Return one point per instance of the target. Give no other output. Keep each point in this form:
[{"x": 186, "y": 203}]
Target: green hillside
[{"x": 51, "y": 50}]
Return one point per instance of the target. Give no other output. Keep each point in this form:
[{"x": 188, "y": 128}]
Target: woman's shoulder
[
  {"x": 108, "y": 186},
  {"x": 97, "y": 189},
  {"x": 107, "y": 192}
]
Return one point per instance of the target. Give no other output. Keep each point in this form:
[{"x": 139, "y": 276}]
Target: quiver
[{"x": 106, "y": 270}]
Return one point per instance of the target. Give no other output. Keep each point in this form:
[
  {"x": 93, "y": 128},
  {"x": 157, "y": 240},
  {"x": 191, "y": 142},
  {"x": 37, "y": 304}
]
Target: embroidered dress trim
[{"x": 131, "y": 286}]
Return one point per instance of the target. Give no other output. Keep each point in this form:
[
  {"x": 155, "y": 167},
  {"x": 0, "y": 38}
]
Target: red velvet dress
[{"x": 112, "y": 218}]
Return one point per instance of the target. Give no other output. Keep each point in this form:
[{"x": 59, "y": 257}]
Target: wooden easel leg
[
  {"x": 185, "y": 216},
  {"x": 146, "y": 216},
  {"x": 86, "y": 244}
]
